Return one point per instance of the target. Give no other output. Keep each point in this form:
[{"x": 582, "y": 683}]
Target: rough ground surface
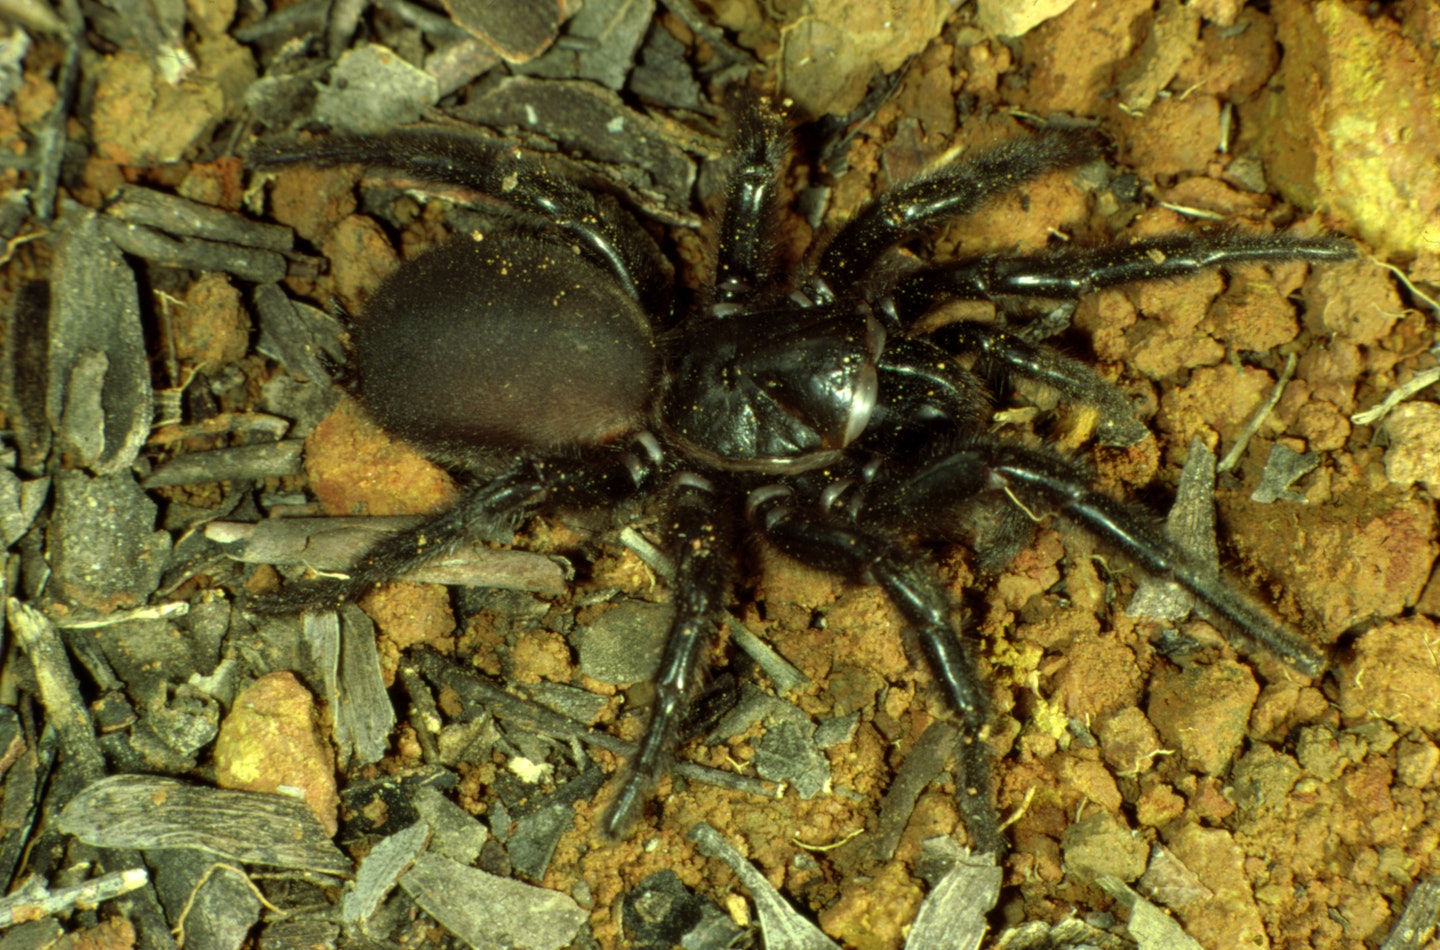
[{"x": 1300, "y": 811}]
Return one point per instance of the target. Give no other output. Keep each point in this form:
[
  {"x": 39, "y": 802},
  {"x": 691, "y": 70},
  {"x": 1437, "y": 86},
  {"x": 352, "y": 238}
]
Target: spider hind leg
[{"x": 850, "y": 551}]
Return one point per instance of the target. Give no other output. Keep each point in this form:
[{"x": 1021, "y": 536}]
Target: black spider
[{"x": 794, "y": 405}]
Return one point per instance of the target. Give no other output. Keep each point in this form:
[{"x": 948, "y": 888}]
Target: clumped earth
[{"x": 1262, "y": 808}]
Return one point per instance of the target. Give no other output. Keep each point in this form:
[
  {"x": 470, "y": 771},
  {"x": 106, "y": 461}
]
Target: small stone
[
  {"x": 1159, "y": 805},
  {"x": 1392, "y": 674},
  {"x": 1261, "y": 782},
  {"x": 1415, "y": 762},
  {"x": 1017, "y": 19},
  {"x": 1129, "y": 742},
  {"x": 1098, "y": 844},
  {"x": 1414, "y": 453},
  {"x": 1230, "y": 918},
  {"x": 622, "y": 645},
  {"x": 271, "y": 741},
  {"x": 1324, "y": 754},
  {"x": 1203, "y": 712},
  {"x": 661, "y": 910}
]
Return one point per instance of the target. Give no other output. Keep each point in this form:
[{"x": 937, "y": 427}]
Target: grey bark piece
[
  {"x": 532, "y": 842},
  {"x": 149, "y": 812},
  {"x": 286, "y": 94},
  {"x": 573, "y": 702},
  {"x": 82, "y": 423},
  {"x": 104, "y": 549},
  {"x": 455, "y": 65},
  {"x": 380, "y": 871},
  {"x": 517, "y": 31},
  {"x": 1151, "y": 927},
  {"x": 1417, "y": 921},
  {"x": 477, "y": 692},
  {"x": 248, "y": 263},
  {"x": 921, "y": 767},
  {"x": 454, "y": 831},
  {"x": 663, "y": 74},
  {"x": 372, "y": 89},
  {"x": 186, "y": 218},
  {"x": 1191, "y": 525},
  {"x": 20, "y": 502},
  {"x": 49, "y": 135},
  {"x": 34, "y": 896},
  {"x": 433, "y": 24},
  {"x": 1283, "y": 467},
  {"x": 782, "y": 927},
  {"x": 95, "y": 308},
  {"x": 623, "y": 644},
  {"x": 952, "y": 916},
  {"x": 156, "y": 26},
  {"x": 788, "y": 752},
  {"x": 609, "y": 32},
  {"x": 295, "y": 334},
  {"x": 12, "y": 61},
  {"x": 1168, "y": 882},
  {"x": 836, "y": 730},
  {"x": 218, "y": 905},
  {"x": 65, "y": 709},
  {"x": 780, "y": 670},
  {"x": 25, "y": 373},
  {"x": 344, "y": 649},
  {"x": 265, "y": 460},
  {"x": 300, "y": 933},
  {"x": 487, "y": 911}
]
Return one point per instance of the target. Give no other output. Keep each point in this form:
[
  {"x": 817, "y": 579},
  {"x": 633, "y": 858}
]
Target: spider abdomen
[{"x": 506, "y": 342}]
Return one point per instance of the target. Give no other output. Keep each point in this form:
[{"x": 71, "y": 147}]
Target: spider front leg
[
  {"x": 1072, "y": 274},
  {"x": 744, "y": 260},
  {"x": 918, "y": 206},
  {"x": 487, "y": 509},
  {"x": 1002, "y": 352},
  {"x": 703, "y": 528},
  {"x": 614, "y": 241},
  {"x": 852, "y": 552},
  {"x": 1043, "y": 479}
]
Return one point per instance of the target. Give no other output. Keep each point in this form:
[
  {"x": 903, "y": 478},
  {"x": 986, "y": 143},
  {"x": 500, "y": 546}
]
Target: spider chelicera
[{"x": 547, "y": 363}]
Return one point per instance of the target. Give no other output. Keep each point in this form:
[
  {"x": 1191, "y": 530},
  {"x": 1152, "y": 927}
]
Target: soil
[{"x": 1300, "y": 811}]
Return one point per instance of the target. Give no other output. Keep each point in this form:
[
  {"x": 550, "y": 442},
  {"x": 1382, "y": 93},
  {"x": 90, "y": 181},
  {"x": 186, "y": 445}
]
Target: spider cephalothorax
[{"x": 796, "y": 407}]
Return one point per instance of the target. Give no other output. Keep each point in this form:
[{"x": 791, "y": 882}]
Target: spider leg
[
  {"x": 1071, "y": 275},
  {"x": 486, "y": 509},
  {"x": 705, "y": 532},
  {"x": 916, "y": 206},
  {"x": 1043, "y": 478},
  {"x": 850, "y": 551},
  {"x": 1003, "y": 352},
  {"x": 924, "y": 393},
  {"x": 745, "y": 259},
  {"x": 614, "y": 241}
]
